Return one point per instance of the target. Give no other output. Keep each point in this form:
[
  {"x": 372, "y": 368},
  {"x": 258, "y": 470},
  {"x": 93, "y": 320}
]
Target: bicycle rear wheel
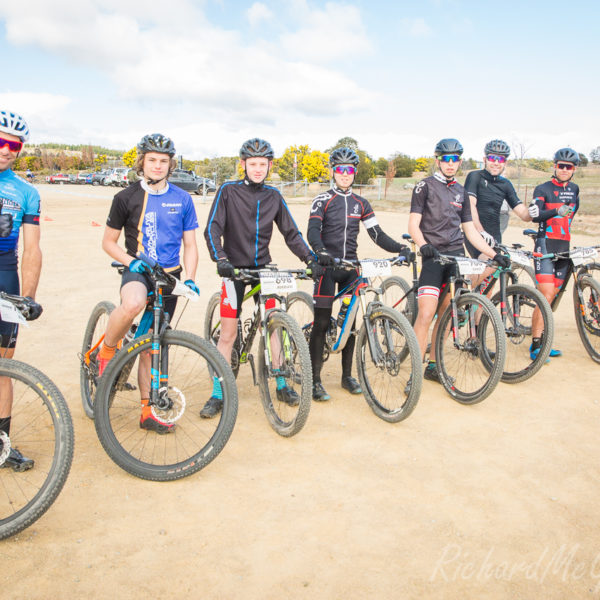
[
  {"x": 521, "y": 302},
  {"x": 587, "y": 314},
  {"x": 88, "y": 372},
  {"x": 301, "y": 308},
  {"x": 41, "y": 429},
  {"x": 286, "y": 360},
  {"x": 522, "y": 274},
  {"x": 390, "y": 370},
  {"x": 212, "y": 330},
  {"x": 470, "y": 360},
  {"x": 393, "y": 290},
  {"x": 194, "y": 442}
]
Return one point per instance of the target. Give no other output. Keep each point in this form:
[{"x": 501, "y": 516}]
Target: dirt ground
[{"x": 496, "y": 500}]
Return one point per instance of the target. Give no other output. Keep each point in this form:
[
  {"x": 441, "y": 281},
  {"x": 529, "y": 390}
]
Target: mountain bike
[
  {"x": 388, "y": 359},
  {"x": 177, "y": 369},
  {"x": 41, "y": 428},
  {"x": 516, "y": 303},
  {"x": 470, "y": 345},
  {"x": 586, "y": 292},
  {"x": 283, "y": 351}
]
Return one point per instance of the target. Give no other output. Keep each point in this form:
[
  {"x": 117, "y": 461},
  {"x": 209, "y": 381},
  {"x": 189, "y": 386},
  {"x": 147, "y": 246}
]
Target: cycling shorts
[
  {"x": 548, "y": 270},
  {"x": 324, "y": 290},
  {"x": 170, "y": 301},
  {"x": 232, "y": 296},
  {"x": 9, "y": 283},
  {"x": 435, "y": 276}
]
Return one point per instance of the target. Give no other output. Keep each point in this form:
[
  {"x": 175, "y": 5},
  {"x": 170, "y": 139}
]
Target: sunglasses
[
  {"x": 496, "y": 158},
  {"x": 13, "y": 146},
  {"x": 341, "y": 169},
  {"x": 567, "y": 166},
  {"x": 449, "y": 157}
]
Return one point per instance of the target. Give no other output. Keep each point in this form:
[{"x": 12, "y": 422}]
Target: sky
[{"x": 395, "y": 75}]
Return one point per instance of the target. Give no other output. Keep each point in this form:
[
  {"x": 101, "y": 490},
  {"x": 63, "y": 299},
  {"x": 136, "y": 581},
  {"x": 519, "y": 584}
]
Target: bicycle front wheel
[
  {"x": 521, "y": 302},
  {"x": 522, "y": 274},
  {"x": 88, "y": 372},
  {"x": 185, "y": 385},
  {"x": 284, "y": 374},
  {"x": 301, "y": 308},
  {"x": 393, "y": 290},
  {"x": 388, "y": 362},
  {"x": 587, "y": 314},
  {"x": 470, "y": 358},
  {"x": 42, "y": 430}
]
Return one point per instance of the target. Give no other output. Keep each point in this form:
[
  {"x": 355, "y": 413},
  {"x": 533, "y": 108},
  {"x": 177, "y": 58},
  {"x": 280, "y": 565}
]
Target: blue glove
[
  {"x": 190, "y": 283},
  {"x": 138, "y": 266}
]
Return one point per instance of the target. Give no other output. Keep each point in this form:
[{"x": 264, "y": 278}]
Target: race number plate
[
  {"x": 10, "y": 314},
  {"x": 375, "y": 267},
  {"x": 275, "y": 282},
  {"x": 520, "y": 258},
  {"x": 580, "y": 255},
  {"x": 470, "y": 266}
]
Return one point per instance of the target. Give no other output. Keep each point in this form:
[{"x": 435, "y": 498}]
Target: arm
[
  {"x": 291, "y": 234},
  {"x": 475, "y": 238},
  {"x": 31, "y": 263},
  {"x": 190, "y": 253},
  {"x": 414, "y": 228},
  {"x": 383, "y": 240},
  {"x": 474, "y": 213},
  {"x": 111, "y": 247},
  {"x": 522, "y": 212},
  {"x": 215, "y": 226}
]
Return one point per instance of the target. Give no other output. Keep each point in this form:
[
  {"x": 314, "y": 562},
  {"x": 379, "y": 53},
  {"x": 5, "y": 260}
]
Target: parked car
[
  {"x": 99, "y": 176},
  {"x": 83, "y": 177},
  {"x": 190, "y": 182},
  {"x": 118, "y": 177},
  {"x": 58, "y": 178}
]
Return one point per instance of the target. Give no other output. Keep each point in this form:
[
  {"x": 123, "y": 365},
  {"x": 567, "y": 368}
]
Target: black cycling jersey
[
  {"x": 443, "y": 206},
  {"x": 334, "y": 224},
  {"x": 550, "y": 196},
  {"x": 242, "y": 215},
  {"x": 490, "y": 191}
]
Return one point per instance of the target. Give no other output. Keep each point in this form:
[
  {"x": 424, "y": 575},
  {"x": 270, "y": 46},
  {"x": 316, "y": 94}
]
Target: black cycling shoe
[
  {"x": 289, "y": 396},
  {"x": 17, "y": 462},
  {"x": 212, "y": 408},
  {"x": 350, "y": 384},
  {"x": 431, "y": 373},
  {"x": 319, "y": 393}
]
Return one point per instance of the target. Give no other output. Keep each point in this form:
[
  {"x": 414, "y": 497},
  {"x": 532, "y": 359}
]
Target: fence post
[{"x": 379, "y": 189}]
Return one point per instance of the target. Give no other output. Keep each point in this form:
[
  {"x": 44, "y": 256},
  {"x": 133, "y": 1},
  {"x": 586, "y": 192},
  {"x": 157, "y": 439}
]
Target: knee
[{"x": 133, "y": 306}]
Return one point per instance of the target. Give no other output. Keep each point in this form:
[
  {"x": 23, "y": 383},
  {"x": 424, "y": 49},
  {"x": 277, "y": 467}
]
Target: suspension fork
[{"x": 159, "y": 361}]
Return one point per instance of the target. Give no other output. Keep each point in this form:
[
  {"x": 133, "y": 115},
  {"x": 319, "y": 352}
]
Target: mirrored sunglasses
[
  {"x": 341, "y": 169},
  {"x": 13, "y": 145},
  {"x": 496, "y": 158},
  {"x": 449, "y": 158},
  {"x": 567, "y": 166}
]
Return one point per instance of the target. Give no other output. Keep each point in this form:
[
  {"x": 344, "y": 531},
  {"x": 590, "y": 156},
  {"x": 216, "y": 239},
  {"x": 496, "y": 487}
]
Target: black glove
[
  {"x": 502, "y": 260},
  {"x": 407, "y": 255},
  {"x": 429, "y": 251},
  {"x": 6, "y": 225},
  {"x": 35, "y": 309},
  {"x": 316, "y": 270},
  {"x": 225, "y": 268},
  {"x": 325, "y": 258}
]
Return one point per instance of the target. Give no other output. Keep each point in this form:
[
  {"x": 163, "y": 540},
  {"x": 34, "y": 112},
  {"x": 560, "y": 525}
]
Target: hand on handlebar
[
  {"x": 325, "y": 258},
  {"x": 138, "y": 266},
  {"x": 35, "y": 309},
  {"x": 190, "y": 283},
  {"x": 225, "y": 268},
  {"x": 316, "y": 270},
  {"x": 502, "y": 260},
  {"x": 429, "y": 251}
]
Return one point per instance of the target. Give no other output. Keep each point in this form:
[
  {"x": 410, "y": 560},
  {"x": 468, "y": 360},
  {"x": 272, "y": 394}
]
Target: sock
[
  {"x": 146, "y": 410},
  {"x": 106, "y": 351},
  {"x": 5, "y": 425},
  {"x": 217, "y": 391},
  {"x": 280, "y": 382},
  {"x": 431, "y": 362}
]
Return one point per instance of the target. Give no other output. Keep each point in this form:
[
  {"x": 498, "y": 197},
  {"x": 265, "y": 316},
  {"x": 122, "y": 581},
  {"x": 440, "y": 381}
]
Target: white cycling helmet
[{"x": 14, "y": 124}]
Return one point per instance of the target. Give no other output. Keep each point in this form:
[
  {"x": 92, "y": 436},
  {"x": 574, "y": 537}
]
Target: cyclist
[
  {"x": 554, "y": 205},
  {"x": 333, "y": 228},
  {"x": 488, "y": 192},
  {"x": 157, "y": 217},
  {"x": 439, "y": 208},
  {"x": 19, "y": 208},
  {"x": 29, "y": 175},
  {"x": 238, "y": 233}
]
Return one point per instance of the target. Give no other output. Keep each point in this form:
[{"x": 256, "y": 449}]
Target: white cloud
[
  {"x": 258, "y": 12},
  {"x": 416, "y": 27}
]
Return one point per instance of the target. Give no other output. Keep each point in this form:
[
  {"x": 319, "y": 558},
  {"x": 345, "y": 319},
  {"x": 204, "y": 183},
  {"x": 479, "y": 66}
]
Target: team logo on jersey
[
  {"x": 419, "y": 187},
  {"x": 556, "y": 192},
  {"x": 318, "y": 202},
  {"x": 356, "y": 209},
  {"x": 316, "y": 206},
  {"x": 457, "y": 201}
]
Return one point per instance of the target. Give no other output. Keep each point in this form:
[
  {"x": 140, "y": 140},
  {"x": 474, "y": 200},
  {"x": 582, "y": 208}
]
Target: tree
[
  {"x": 520, "y": 149},
  {"x": 389, "y": 175},
  {"x": 345, "y": 142},
  {"x": 285, "y": 164},
  {"x": 468, "y": 164},
  {"x": 381, "y": 167},
  {"x": 583, "y": 159},
  {"x": 366, "y": 168},
  {"x": 100, "y": 160},
  {"x": 422, "y": 164},
  {"x": 595, "y": 155},
  {"x": 130, "y": 157},
  {"x": 539, "y": 164},
  {"x": 405, "y": 165},
  {"x": 315, "y": 166}
]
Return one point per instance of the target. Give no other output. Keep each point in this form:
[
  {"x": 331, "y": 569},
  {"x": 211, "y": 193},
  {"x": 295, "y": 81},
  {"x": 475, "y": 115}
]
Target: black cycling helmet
[
  {"x": 499, "y": 147},
  {"x": 448, "y": 146},
  {"x": 256, "y": 147},
  {"x": 156, "y": 142},
  {"x": 566, "y": 155},
  {"x": 343, "y": 156}
]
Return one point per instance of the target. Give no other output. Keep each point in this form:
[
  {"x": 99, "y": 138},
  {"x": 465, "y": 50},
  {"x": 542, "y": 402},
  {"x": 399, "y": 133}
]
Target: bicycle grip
[{"x": 149, "y": 261}]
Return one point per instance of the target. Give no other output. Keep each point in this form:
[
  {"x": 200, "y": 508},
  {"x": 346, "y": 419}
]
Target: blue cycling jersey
[{"x": 22, "y": 201}]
